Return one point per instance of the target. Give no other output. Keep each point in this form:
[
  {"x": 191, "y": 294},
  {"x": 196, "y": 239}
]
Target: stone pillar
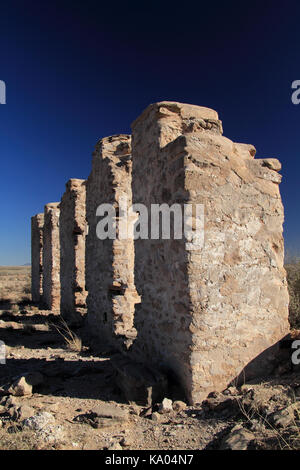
[
  {"x": 51, "y": 257},
  {"x": 37, "y": 223},
  {"x": 110, "y": 263},
  {"x": 208, "y": 313},
  {"x": 72, "y": 229}
]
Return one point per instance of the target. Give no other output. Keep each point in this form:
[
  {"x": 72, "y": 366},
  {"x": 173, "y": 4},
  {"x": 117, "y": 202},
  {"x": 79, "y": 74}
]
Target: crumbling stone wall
[
  {"x": 207, "y": 313},
  {"x": 110, "y": 263},
  {"x": 72, "y": 229},
  {"x": 37, "y": 223},
  {"x": 51, "y": 257}
]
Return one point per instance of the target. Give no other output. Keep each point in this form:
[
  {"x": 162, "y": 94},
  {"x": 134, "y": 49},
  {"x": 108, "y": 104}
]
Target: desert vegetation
[
  {"x": 293, "y": 277},
  {"x": 15, "y": 283}
]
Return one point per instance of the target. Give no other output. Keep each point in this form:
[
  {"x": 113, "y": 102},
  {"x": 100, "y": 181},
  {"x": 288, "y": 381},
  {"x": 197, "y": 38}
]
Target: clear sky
[{"x": 76, "y": 71}]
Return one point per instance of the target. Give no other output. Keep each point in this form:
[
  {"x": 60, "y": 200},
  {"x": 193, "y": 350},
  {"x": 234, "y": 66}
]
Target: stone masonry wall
[
  {"x": 110, "y": 263},
  {"x": 207, "y": 313},
  {"x": 37, "y": 223},
  {"x": 72, "y": 229},
  {"x": 51, "y": 257}
]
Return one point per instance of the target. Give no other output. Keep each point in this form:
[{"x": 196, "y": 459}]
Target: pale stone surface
[
  {"x": 72, "y": 231},
  {"x": 110, "y": 263},
  {"x": 207, "y": 313},
  {"x": 37, "y": 223},
  {"x": 51, "y": 257},
  {"x": 238, "y": 439},
  {"x": 166, "y": 406}
]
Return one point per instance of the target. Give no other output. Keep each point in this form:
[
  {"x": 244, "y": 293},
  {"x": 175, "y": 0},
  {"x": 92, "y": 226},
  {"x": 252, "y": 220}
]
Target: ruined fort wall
[
  {"x": 110, "y": 263},
  {"x": 207, "y": 313},
  {"x": 37, "y": 223},
  {"x": 72, "y": 231},
  {"x": 51, "y": 257}
]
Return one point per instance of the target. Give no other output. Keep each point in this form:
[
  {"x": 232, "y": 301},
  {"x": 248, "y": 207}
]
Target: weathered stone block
[
  {"x": 207, "y": 312},
  {"x": 51, "y": 257},
  {"x": 110, "y": 262},
  {"x": 37, "y": 223},
  {"x": 72, "y": 230}
]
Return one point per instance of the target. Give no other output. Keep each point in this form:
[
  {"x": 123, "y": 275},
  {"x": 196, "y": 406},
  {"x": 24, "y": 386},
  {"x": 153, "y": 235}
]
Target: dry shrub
[
  {"x": 293, "y": 278},
  {"x": 269, "y": 436}
]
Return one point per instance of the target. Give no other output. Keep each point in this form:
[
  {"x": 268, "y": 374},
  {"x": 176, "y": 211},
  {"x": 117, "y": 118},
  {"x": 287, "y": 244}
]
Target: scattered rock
[
  {"x": 103, "y": 415},
  {"x": 54, "y": 407},
  {"x": 53, "y": 434},
  {"x": 135, "y": 410},
  {"x": 238, "y": 439},
  {"x": 45, "y": 427},
  {"x": 12, "y": 412},
  {"x": 265, "y": 399},
  {"x": 257, "y": 426},
  {"x": 108, "y": 414},
  {"x": 126, "y": 442},
  {"x": 11, "y": 401},
  {"x": 146, "y": 412},
  {"x": 179, "y": 406},
  {"x": 283, "y": 417},
  {"x": 23, "y": 385},
  {"x": 39, "y": 421},
  {"x": 13, "y": 429},
  {"x": 224, "y": 406},
  {"x": 233, "y": 391},
  {"x": 20, "y": 387},
  {"x": 246, "y": 388},
  {"x": 2, "y": 409},
  {"x": 156, "y": 417},
  {"x": 24, "y": 412},
  {"x": 214, "y": 395},
  {"x": 165, "y": 406},
  {"x": 115, "y": 446}
]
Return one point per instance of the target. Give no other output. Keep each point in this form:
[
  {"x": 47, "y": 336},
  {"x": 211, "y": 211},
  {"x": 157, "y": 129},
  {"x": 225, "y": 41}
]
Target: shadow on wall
[{"x": 274, "y": 360}]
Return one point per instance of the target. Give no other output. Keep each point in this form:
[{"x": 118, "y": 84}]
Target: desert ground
[{"x": 57, "y": 393}]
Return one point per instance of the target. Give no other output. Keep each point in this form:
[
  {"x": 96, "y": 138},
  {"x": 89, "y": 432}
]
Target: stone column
[
  {"x": 51, "y": 257},
  {"x": 37, "y": 223},
  {"x": 72, "y": 229},
  {"x": 110, "y": 262},
  {"x": 209, "y": 313}
]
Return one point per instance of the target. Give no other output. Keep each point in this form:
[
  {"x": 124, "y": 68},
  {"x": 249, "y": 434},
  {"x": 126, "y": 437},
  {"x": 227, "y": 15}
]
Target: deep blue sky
[{"x": 78, "y": 71}]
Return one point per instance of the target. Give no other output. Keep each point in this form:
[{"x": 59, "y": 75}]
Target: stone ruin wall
[
  {"x": 51, "y": 257},
  {"x": 207, "y": 313},
  {"x": 72, "y": 231},
  {"x": 110, "y": 263},
  {"x": 37, "y": 223}
]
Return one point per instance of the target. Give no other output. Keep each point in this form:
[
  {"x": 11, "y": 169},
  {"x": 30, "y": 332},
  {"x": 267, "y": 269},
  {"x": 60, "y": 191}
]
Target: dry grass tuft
[{"x": 73, "y": 342}]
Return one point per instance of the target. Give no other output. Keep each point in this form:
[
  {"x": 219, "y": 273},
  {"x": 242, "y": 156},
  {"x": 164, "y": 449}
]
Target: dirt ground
[{"x": 76, "y": 403}]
